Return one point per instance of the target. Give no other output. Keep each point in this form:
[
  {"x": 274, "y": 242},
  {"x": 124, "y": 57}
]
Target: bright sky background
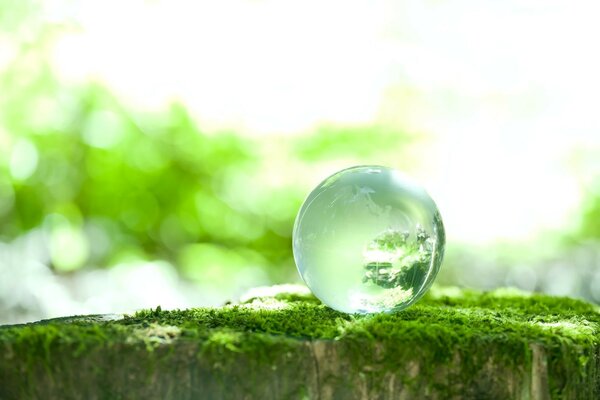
[{"x": 508, "y": 91}]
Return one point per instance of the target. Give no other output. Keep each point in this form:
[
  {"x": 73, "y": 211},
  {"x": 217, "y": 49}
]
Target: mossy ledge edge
[{"x": 453, "y": 343}]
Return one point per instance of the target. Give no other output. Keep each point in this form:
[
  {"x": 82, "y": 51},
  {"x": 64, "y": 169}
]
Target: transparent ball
[{"x": 367, "y": 239}]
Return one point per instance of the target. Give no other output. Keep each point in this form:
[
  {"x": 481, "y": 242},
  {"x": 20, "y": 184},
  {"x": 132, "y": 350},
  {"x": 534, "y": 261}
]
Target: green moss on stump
[{"x": 453, "y": 343}]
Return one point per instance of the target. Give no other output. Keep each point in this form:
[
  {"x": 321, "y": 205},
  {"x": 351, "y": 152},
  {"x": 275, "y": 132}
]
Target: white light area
[
  {"x": 561, "y": 280},
  {"x": 103, "y": 129},
  {"x": 488, "y": 189},
  {"x": 507, "y": 90},
  {"x": 132, "y": 286},
  {"x": 69, "y": 248},
  {"x": 523, "y": 277},
  {"x": 30, "y": 290},
  {"x": 23, "y": 159},
  {"x": 261, "y": 66},
  {"x": 595, "y": 286},
  {"x": 8, "y": 51}
]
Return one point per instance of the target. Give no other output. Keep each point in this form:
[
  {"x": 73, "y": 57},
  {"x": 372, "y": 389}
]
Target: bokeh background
[{"x": 156, "y": 152}]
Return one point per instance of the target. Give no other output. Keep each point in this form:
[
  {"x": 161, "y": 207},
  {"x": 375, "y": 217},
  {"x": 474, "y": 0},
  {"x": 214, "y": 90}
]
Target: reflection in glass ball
[{"x": 367, "y": 239}]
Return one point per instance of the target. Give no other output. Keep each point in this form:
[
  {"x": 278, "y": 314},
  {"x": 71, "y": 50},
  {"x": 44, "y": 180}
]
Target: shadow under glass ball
[{"x": 367, "y": 239}]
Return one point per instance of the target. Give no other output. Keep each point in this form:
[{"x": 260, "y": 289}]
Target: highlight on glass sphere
[{"x": 368, "y": 239}]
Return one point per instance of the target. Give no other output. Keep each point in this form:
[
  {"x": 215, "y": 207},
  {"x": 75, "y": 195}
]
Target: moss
[{"x": 444, "y": 325}]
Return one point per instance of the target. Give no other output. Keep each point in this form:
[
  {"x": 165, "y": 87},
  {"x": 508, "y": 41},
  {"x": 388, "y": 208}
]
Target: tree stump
[{"x": 453, "y": 344}]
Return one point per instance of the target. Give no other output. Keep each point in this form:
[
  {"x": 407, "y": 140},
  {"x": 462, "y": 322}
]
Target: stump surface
[{"x": 452, "y": 344}]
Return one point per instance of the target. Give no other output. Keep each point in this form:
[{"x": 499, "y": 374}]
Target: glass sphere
[{"x": 367, "y": 239}]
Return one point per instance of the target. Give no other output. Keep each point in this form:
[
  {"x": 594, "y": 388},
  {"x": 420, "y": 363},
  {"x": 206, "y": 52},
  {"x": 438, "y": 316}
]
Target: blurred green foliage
[
  {"x": 131, "y": 184},
  {"x": 108, "y": 182},
  {"x": 590, "y": 222},
  {"x": 362, "y": 142}
]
